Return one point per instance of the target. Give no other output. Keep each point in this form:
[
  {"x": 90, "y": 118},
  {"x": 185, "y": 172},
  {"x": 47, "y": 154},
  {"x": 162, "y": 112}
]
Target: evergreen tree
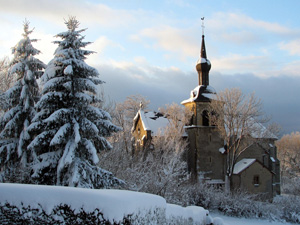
[
  {"x": 21, "y": 98},
  {"x": 69, "y": 131}
]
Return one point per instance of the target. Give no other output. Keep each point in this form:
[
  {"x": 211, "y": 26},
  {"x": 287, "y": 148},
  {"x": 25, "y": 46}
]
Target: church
[{"x": 257, "y": 170}]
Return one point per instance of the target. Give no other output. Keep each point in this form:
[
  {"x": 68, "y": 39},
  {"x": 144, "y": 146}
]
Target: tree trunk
[{"x": 227, "y": 184}]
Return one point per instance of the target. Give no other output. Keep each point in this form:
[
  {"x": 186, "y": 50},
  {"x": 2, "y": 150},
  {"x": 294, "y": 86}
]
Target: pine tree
[
  {"x": 69, "y": 130},
  {"x": 21, "y": 98}
]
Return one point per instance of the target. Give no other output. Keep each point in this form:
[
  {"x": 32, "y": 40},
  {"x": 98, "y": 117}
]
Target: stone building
[
  {"x": 147, "y": 125},
  {"x": 257, "y": 169}
]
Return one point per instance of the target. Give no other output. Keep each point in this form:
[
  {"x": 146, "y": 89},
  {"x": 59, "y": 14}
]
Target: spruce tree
[
  {"x": 21, "y": 98},
  {"x": 69, "y": 131}
]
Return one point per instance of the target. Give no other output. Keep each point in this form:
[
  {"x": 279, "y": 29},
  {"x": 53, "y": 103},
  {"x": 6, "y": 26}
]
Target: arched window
[{"x": 205, "y": 119}]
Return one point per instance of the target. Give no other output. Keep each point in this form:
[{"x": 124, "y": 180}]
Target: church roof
[
  {"x": 260, "y": 131},
  {"x": 243, "y": 164},
  {"x": 153, "y": 121},
  {"x": 201, "y": 93}
]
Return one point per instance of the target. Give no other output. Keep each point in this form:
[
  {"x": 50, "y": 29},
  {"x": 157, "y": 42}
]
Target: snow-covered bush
[
  {"x": 21, "y": 98},
  {"x": 68, "y": 131},
  {"x": 290, "y": 186},
  {"x": 289, "y": 206},
  {"x": 190, "y": 215},
  {"x": 241, "y": 204},
  {"x": 38, "y": 204}
]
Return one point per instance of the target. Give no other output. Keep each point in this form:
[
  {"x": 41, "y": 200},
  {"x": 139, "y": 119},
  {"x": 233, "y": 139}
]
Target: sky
[{"x": 151, "y": 47}]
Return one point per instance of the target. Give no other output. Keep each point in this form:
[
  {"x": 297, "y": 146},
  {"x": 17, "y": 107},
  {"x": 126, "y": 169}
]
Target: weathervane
[{"x": 202, "y": 25}]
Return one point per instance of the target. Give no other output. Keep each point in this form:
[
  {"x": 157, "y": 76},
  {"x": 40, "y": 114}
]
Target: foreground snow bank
[{"x": 114, "y": 205}]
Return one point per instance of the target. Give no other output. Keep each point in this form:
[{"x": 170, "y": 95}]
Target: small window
[
  {"x": 205, "y": 120},
  {"x": 139, "y": 130},
  {"x": 256, "y": 180}
]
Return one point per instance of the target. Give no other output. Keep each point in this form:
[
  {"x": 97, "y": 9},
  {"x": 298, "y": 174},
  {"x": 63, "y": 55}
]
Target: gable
[{"x": 151, "y": 121}]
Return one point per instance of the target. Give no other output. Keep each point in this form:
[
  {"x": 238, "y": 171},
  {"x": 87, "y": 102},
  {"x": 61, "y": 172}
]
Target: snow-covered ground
[
  {"x": 114, "y": 204},
  {"x": 233, "y": 220}
]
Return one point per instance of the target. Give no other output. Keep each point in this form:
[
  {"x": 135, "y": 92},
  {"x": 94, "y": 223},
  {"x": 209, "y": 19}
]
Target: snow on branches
[
  {"x": 21, "y": 99},
  {"x": 66, "y": 124}
]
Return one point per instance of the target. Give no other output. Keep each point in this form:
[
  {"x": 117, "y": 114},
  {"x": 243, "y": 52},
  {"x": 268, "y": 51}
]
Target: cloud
[
  {"x": 99, "y": 46},
  {"x": 45, "y": 45},
  {"x": 235, "y": 63},
  {"x": 293, "y": 47},
  {"x": 56, "y": 10},
  {"x": 224, "y": 21},
  {"x": 171, "y": 39},
  {"x": 166, "y": 85}
]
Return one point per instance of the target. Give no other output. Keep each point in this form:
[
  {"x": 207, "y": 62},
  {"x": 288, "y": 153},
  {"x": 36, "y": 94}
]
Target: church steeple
[{"x": 203, "y": 66}]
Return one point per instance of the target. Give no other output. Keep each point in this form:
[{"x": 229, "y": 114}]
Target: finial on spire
[
  {"x": 141, "y": 105},
  {"x": 202, "y": 25}
]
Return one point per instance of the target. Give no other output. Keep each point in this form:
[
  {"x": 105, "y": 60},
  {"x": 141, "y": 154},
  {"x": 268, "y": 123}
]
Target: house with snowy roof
[
  {"x": 248, "y": 174},
  {"x": 257, "y": 169},
  {"x": 147, "y": 125}
]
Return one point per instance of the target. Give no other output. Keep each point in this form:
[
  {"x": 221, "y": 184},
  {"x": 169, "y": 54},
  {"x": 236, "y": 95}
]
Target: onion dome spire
[{"x": 203, "y": 64}]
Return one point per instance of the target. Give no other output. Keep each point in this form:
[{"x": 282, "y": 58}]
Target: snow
[
  {"x": 153, "y": 122},
  {"x": 206, "y": 91},
  {"x": 114, "y": 204},
  {"x": 215, "y": 181},
  {"x": 242, "y": 165},
  {"x": 245, "y": 221},
  {"x": 68, "y": 70},
  {"x": 260, "y": 131},
  {"x": 203, "y": 60},
  {"x": 198, "y": 214},
  {"x": 222, "y": 150},
  {"x": 272, "y": 159}
]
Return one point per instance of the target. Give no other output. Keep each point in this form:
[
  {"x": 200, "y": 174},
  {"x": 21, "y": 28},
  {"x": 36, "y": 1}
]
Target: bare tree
[
  {"x": 6, "y": 81},
  {"x": 178, "y": 117},
  {"x": 123, "y": 114},
  {"x": 289, "y": 154},
  {"x": 236, "y": 116},
  {"x": 162, "y": 170}
]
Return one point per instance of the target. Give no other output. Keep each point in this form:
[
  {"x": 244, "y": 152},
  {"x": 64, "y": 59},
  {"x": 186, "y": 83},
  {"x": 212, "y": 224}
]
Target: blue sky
[{"x": 151, "y": 47}]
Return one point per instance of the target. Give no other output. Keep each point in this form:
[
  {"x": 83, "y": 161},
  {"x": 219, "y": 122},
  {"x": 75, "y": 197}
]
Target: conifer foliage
[
  {"x": 21, "y": 99},
  {"x": 68, "y": 130}
]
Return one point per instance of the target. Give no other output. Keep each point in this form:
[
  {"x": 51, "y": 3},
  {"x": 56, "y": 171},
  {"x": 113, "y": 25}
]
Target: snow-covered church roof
[
  {"x": 153, "y": 121},
  {"x": 243, "y": 164},
  {"x": 201, "y": 93}
]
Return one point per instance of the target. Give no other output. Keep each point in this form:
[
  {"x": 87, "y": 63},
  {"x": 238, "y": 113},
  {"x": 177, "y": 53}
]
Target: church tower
[{"x": 205, "y": 157}]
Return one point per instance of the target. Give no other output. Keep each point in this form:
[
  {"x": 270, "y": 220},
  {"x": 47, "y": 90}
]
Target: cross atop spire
[{"x": 202, "y": 26}]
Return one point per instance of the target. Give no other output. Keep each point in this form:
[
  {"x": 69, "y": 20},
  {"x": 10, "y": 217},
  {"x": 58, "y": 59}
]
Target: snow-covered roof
[
  {"x": 153, "y": 121},
  {"x": 260, "y": 131},
  {"x": 242, "y": 165},
  {"x": 203, "y": 60},
  {"x": 215, "y": 181},
  {"x": 201, "y": 93},
  {"x": 254, "y": 129},
  {"x": 222, "y": 150},
  {"x": 272, "y": 159}
]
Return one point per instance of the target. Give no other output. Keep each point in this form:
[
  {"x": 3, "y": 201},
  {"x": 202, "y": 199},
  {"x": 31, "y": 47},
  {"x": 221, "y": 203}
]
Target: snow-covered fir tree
[
  {"x": 69, "y": 131},
  {"x": 21, "y": 98}
]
